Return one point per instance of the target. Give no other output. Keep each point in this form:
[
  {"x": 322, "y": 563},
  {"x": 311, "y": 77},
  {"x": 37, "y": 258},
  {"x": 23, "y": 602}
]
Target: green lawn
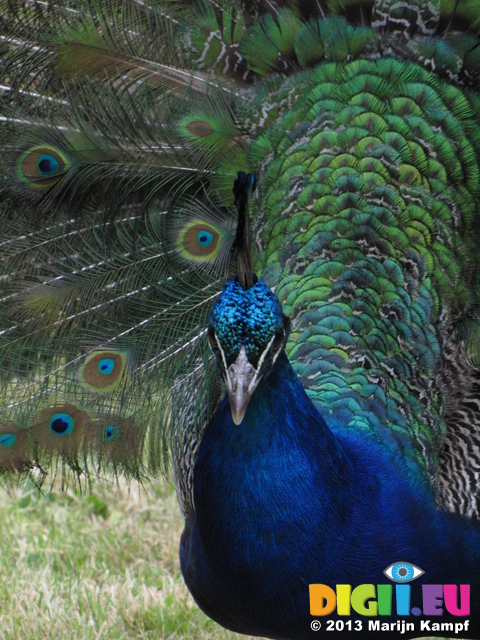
[{"x": 103, "y": 565}]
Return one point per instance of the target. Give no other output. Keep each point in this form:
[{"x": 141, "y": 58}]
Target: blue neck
[{"x": 282, "y": 502}]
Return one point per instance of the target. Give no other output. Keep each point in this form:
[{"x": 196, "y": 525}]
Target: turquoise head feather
[{"x": 247, "y": 332}]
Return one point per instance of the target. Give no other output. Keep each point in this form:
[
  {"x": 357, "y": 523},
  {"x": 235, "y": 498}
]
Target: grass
[{"x": 96, "y": 566}]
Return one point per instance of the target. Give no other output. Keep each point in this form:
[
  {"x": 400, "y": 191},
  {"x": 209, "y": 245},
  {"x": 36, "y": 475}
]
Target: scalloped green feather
[
  {"x": 269, "y": 44},
  {"x": 331, "y": 39}
]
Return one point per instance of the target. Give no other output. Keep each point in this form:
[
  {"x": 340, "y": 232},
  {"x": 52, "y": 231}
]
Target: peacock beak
[{"x": 241, "y": 381}]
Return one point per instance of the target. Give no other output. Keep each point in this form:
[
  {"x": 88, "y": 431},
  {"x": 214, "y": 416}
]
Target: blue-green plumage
[
  {"x": 122, "y": 127},
  {"x": 284, "y": 500}
]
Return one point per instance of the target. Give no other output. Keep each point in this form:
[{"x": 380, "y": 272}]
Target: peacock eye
[
  {"x": 205, "y": 238},
  {"x": 403, "y": 572},
  {"x": 103, "y": 370},
  {"x": 199, "y": 241},
  {"x": 62, "y": 424},
  {"x": 106, "y": 366},
  {"x": 47, "y": 165},
  {"x": 42, "y": 166},
  {"x": 110, "y": 432},
  {"x": 13, "y": 451},
  {"x": 7, "y": 439},
  {"x": 199, "y": 128}
]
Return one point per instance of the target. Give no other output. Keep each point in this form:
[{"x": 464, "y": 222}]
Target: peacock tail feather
[{"x": 123, "y": 126}]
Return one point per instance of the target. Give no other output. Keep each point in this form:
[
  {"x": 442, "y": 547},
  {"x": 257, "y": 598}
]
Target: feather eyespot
[
  {"x": 119, "y": 439},
  {"x": 42, "y": 166},
  {"x": 106, "y": 366},
  {"x": 199, "y": 241},
  {"x": 199, "y": 128},
  {"x": 13, "y": 448},
  {"x": 205, "y": 238},
  {"x": 60, "y": 428},
  {"x": 110, "y": 432},
  {"x": 103, "y": 370},
  {"x": 8, "y": 439},
  {"x": 61, "y": 424}
]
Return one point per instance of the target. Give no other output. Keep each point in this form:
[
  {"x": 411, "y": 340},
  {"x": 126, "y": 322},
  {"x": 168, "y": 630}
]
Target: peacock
[
  {"x": 124, "y": 299},
  {"x": 282, "y": 499}
]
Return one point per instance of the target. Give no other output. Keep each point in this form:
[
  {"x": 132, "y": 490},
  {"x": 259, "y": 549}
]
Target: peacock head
[{"x": 247, "y": 333}]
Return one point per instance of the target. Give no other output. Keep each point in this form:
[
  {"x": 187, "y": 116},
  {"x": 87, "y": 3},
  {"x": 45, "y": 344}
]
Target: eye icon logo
[{"x": 403, "y": 572}]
